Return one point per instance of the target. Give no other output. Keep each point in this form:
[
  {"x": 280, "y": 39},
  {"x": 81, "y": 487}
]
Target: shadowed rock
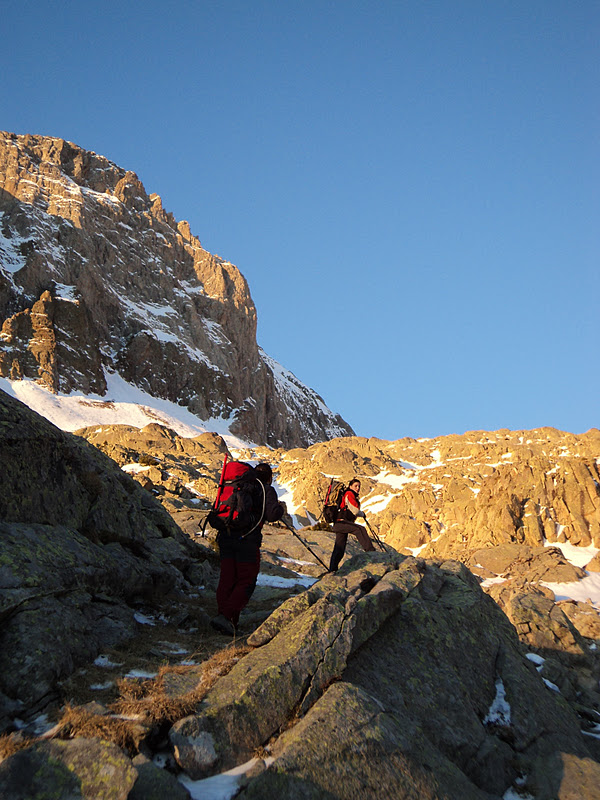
[
  {"x": 421, "y": 652},
  {"x": 79, "y": 539}
]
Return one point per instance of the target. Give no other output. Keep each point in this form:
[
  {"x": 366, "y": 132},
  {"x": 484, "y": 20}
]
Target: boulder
[
  {"x": 155, "y": 783},
  {"x": 541, "y": 623},
  {"x": 349, "y": 746},
  {"x": 594, "y": 564},
  {"x": 584, "y": 617},
  {"x": 533, "y": 564}
]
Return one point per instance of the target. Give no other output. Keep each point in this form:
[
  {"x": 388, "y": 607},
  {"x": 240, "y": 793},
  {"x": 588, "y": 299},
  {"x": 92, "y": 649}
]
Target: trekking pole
[
  {"x": 377, "y": 539},
  {"x": 292, "y": 530}
]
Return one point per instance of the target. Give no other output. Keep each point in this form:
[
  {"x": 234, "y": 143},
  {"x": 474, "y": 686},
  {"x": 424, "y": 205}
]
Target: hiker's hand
[
  {"x": 283, "y": 505},
  {"x": 361, "y": 514}
]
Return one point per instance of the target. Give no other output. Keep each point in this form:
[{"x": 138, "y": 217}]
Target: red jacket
[{"x": 349, "y": 507}]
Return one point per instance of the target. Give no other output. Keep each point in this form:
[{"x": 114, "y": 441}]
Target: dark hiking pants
[{"x": 341, "y": 530}]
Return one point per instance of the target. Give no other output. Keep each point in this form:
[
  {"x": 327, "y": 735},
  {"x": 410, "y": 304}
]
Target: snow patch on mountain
[
  {"x": 575, "y": 554},
  {"x": 11, "y": 255},
  {"x": 123, "y": 404},
  {"x": 585, "y": 590}
]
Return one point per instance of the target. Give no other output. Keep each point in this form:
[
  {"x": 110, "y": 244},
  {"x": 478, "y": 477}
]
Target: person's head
[
  {"x": 354, "y": 485},
  {"x": 264, "y": 473}
]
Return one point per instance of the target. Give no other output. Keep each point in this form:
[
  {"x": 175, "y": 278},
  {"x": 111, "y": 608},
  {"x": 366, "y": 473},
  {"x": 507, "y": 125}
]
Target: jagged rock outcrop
[
  {"x": 164, "y": 463},
  {"x": 96, "y": 276},
  {"x": 53, "y": 342},
  {"x": 79, "y": 542}
]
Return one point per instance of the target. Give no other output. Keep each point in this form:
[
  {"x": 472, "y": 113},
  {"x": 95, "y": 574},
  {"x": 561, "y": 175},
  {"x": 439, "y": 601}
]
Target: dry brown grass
[
  {"x": 148, "y": 699},
  {"x": 124, "y": 732},
  {"x": 142, "y": 706},
  {"x": 11, "y": 743}
]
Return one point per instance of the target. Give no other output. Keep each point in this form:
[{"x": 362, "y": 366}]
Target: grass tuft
[{"x": 141, "y": 708}]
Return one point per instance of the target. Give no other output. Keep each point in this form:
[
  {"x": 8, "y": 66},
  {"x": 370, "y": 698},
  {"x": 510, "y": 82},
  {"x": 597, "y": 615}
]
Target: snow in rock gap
[
  {"x": 499, "y": 711},
  {"x": 218, "y": 787},
  {"x": 11, "y": 258}
]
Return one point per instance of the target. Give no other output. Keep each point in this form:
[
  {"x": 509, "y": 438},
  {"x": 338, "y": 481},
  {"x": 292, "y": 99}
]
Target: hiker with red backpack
[
  {"x": 245, "y": 501},
  {"x": 349, "y": 510}
]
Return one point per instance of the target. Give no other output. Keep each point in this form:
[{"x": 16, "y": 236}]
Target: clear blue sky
[{"x": 410, "y": 188}]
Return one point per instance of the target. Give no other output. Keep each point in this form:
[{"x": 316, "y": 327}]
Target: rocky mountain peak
[{"x": 125, "y": 287}]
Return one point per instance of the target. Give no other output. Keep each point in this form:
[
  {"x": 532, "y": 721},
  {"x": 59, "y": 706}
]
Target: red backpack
[{"x": 239, "y": 506}]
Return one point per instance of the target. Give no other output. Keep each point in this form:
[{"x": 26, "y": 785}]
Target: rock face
[
  {"x": 79, "y": 541},
  {"x": 96, "y": 276},
  {"x": 396, "y": 677}
]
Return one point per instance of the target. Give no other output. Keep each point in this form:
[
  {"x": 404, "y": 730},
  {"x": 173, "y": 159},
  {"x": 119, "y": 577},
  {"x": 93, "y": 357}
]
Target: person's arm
[{"x": 273, "y": 508}]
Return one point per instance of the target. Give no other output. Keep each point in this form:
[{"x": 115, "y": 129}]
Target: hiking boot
[{"x": 223, "y": 625}]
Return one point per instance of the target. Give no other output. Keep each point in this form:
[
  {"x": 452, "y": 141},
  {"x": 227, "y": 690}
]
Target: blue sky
[{"x": 410, "y": 188}]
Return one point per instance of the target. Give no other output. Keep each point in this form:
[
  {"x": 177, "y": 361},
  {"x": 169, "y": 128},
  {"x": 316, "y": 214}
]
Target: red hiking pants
[{"x": 240, "y": 565}]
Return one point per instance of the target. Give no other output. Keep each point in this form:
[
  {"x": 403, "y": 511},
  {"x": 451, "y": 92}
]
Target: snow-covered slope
[{"x": 123, "y": 404}]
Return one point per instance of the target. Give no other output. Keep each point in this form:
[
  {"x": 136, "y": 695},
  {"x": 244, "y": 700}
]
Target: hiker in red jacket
[
  {"x": 349, "y": 511},
  {"x": 240, "y": 560}
]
